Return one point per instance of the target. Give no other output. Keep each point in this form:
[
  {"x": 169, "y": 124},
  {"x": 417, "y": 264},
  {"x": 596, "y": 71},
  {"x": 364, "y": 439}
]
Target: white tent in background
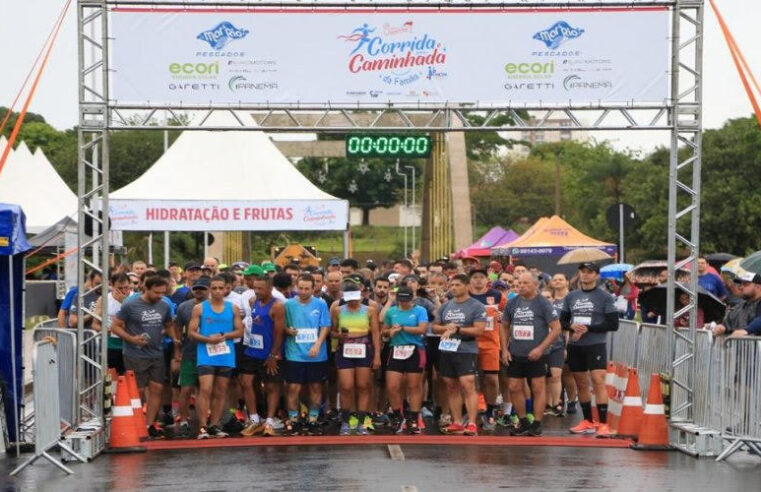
[
  {"x": 31, "y": 181},
  {"x": 224, "y": 181}
]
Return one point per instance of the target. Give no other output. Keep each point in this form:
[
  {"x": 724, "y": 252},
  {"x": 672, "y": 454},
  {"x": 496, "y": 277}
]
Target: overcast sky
[{"x": 25, "y": 24}]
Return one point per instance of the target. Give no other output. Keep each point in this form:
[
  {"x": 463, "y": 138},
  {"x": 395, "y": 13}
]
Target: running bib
[
  {"x": 622, "y": 304},
  {"x": 355, "y": 350},
  {"x": 220, "y": 348},
  {"x": 256, "y": 341},
  {"x": 489, "y": 324},
  {"x": 403, "y": 352},
  {"x": 582, "y": 320},
  {"x": 523, "y": 332},
  {"x": 306, "y": 335},
  {"x": 450, "y": 344}
]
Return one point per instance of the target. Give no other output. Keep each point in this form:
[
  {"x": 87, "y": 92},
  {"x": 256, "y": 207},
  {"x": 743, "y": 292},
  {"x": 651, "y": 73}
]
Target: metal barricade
[
  {"x": 47, "y": 410},
  {"x": 66, "y": 341},
  {"x": 625, "y": 342},
  {"x": 740, "y": 396},
  {"x": 652, "y": 353}
]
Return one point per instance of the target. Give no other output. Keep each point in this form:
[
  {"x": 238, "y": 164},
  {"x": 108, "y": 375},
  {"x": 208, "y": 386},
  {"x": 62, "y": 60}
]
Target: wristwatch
[{"x": 273, "y": 356}]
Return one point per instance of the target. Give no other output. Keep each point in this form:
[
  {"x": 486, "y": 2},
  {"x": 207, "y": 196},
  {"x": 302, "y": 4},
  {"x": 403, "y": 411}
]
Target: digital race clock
[{"x": 373, "y": 145}]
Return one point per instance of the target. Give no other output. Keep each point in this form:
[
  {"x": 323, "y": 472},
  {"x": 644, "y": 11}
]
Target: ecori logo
[{"x": 194, "y": 68}]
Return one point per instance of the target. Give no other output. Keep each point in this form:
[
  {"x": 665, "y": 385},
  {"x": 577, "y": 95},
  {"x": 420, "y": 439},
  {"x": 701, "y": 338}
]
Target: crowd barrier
[
  {"x": 624, "y": 343},
  {"x": 66, "y": 343}
]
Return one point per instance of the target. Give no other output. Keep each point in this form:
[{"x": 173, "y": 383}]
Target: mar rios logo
[
  {"x": 559, "y": 33},
  {"x": 373, "y": 52},
  {"x": 222, "y": 34}
]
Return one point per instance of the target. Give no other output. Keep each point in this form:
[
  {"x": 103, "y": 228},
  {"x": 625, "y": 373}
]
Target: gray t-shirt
[
  {"x": 463, "y": 314},
  {"x": 529, "y": 323},
  {"x": 141, "y": 317},
  {"x": 88, "y": 302},
  {"x": 559, "y": 342},
  {"x": 589, "y": 308},
  {"x": 182, "y": 319}
]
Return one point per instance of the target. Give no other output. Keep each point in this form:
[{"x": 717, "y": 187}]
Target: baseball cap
[
  {"x": 239, "y": 265},
  {"x": 334, "y": 261},
  {"x": 499, "y": 285},
  {"x": 479, "y": 270},
  {"x": 268, "y": 267},
  {"x": 591, "y": 266},
  {"x": 201, "y": 283},
  {"x": 749, "y": 277},
  {"x": 253, "y": 270},
  {"x": 496, "y": 266},
  {"x": 412, "y": 277},
  {"x": 192, "y": 266},
  {"x": 404, "y": 294},
  {"x": 471, "y": 258}
]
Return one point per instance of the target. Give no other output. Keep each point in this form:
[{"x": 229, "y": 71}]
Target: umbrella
[
  {"x": 752, "y": 263},
  {"x": 583, "y": 255},
  {"x": 732, "y": 267},
  {"x": 615, "y": 270},
  {"x": 655, "y": 300},
  {"x": 716, "y": 260},
  {"x": 647, "y": 272}
]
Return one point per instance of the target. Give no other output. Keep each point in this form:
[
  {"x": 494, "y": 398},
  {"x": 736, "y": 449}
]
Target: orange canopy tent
[{"x": 551, "y": 236}]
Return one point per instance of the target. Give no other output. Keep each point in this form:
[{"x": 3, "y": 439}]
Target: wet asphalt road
[{"x": 372, "y": 468}]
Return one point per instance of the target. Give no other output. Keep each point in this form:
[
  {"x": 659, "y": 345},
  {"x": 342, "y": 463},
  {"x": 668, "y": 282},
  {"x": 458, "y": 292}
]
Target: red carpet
[{"x": 570, "y": 441}]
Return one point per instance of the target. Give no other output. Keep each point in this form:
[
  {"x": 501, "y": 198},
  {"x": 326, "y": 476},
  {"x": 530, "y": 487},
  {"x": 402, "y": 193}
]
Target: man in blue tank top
[
  {"x": 214, "y": 325},
  {"x": 262, "y": 355}
]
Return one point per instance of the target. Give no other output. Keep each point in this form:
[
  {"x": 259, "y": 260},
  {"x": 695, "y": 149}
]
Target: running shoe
[
  {"x": 488, "y": 423},
  {"x": 535, "y": 429},
  {"x": 530, "y": 417},
  {"x": 522, "y": 428},
  {"x": 314, "y": 428},
  {"x": 166, "y": 419},
  {"x": 380, "y": 419},
  {"x": 503, "y": 421},
  {"x": 183, "y": 429},
  {"x": 399, "y": 426},
  {"x": 514, "y": 420},
  {"x": 345, "y": 429},
  {"x": 290, "y": 428},
  {"x": 362, "y": 430},
  {"x": 413, "y": 428},
  {"x": 444, "y": 422},
  {"x": 571, "y": 407},
  {"x": 470, "y": 430},
  {"x": 557, "y": 410},
  {"x": 252, "y": 429},
  {"x": 368, "y": 424},
  {"x": 269, "y": 431},
  {"x": 426, "y": 413},
  {"x": 216, "y": 432},
  {"x": 603, "y": 431},
  {"x": 584, "y": 427},
  {"x": 277, "y": 424},
  {"x": 353, "y": 421},
  {"x": 203, "y": 433},
  {"x": 454, "y": 428},
  {"x": 155, "y": 431}
]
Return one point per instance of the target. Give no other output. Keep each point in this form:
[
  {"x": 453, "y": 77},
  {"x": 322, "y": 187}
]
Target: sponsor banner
[
  {"x": 254, "y": 215},
  {"x": 547, "y": 250},
  {"x": 344, "y": 56}
]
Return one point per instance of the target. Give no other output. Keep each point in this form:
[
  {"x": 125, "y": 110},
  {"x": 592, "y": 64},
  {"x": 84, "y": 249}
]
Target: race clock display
[{"x": 376, "y": 145}]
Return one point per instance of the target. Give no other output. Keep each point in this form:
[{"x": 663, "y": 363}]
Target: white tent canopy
[
  {"x": 224, "y": 181},
  {"x": 31, "y": 181}
]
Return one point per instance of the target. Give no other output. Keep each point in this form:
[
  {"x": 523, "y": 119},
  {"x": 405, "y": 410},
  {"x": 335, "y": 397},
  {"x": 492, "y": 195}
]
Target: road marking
[
  {"x": 409, "y": 488},
  {"x": 396, "y": 453}
]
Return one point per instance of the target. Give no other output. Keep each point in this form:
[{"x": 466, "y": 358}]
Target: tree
[{"x": 367, "y": 185}]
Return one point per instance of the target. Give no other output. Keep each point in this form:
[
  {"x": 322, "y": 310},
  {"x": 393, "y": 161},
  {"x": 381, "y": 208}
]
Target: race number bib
[
  {"x": 355, "y": 350},
  {"x": 582, "y": 320},
  {"x": 256, "y": 341},
  {"x": 220, "y": 348},
  {"x": 450, "y": 344},
  {"x": 489, "y": 324},
  {"x": 621, "y": 304},
  {"x": 403, "y": 352},
  {"x": 523, "y": 332},
  {"x": 306, "y": 335}
]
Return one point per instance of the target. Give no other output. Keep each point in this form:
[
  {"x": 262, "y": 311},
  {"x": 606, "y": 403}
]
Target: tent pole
[
  {"x": 13, "y": 352},
  {"x": 166, "y": 249},
  {"x": 346, "y": 241},
  {"x": 205, "y": 244},
  {"x": 150, "y": 248}
]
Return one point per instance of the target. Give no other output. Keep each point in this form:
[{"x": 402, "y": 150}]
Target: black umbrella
[
  {"x": 654, "y": 300},
  {"x": 716, "y": 260}
]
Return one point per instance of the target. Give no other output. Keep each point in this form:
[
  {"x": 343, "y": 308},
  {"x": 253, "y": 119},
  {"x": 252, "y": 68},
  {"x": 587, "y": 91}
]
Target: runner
[
  {"x": 355, "y": 326},
  {"x": 307, "y": 327},
  {"x": 529, "y": 327},
  {"x": 263, "y": 354},
  {"x": 560, "y": 375},
  {"x": 405, "y": 324},
  {"x": 589, "y": 313},
  {"x": 186, "y": 351},
  {"x": 349, "y": 266},
  {"x": 438, "y": 290},
  {"x": 460, "y": 322},
  {"x": 121, "y": 287},
  {"x": 89, "y": 300},
  {"x": 214, "y": 324},
  {"x": 141, "y": 323},
  {"x": 488, "y": 343}
]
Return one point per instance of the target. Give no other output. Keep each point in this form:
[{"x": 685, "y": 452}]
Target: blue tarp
[{"x": 13, "y": 245}]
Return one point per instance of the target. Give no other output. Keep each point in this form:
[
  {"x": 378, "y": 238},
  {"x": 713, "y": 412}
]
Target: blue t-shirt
[
  {"x": 213, "y": 323},
  {"x": 307, "y": 319},
  {"x": 259, "y": 338},
  {"x": 410, "y": 317},
  {"x": 68, "y": 300},
  {"x": 712, "y": 284}
]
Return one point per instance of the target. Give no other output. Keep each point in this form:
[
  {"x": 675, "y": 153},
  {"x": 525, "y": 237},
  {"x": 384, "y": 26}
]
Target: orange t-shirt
[{"x": 495, "y": 303}]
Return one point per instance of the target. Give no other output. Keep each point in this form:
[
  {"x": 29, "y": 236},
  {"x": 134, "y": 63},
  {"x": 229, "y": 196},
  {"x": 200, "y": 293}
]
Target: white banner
[
  {"x": 343, "y": 56},
  {"x": 254, "y": 215}
]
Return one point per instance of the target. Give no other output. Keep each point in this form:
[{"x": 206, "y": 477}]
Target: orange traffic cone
[
  {"x": 654, "y": 431},
  {"x": 615, "y": 397},
  {"x": 123, "y": 437},
  {"x": 137, "y": 406},
  {"x": 631, "y": 413},
  {"x": 610, "y": 380}
]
